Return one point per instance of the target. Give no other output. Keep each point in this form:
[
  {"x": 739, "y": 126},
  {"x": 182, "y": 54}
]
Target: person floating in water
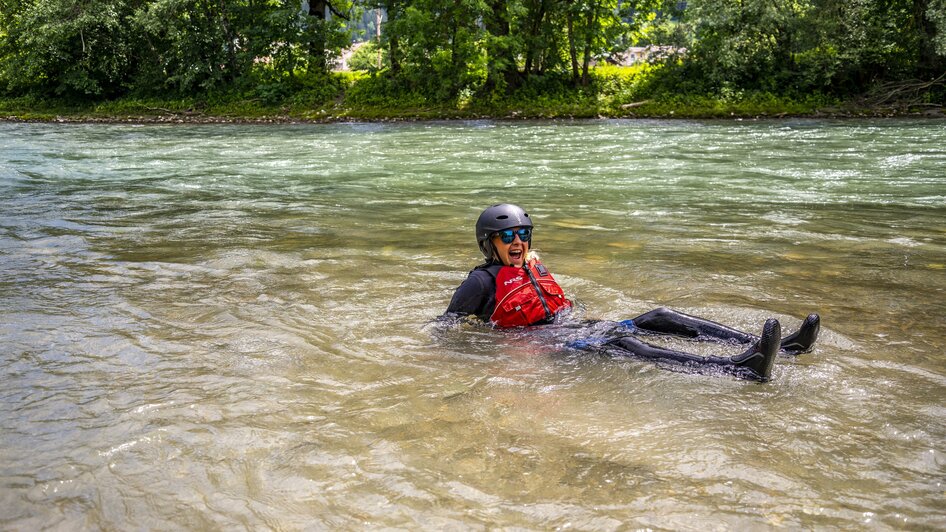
[{"x": 512, "y": 288}]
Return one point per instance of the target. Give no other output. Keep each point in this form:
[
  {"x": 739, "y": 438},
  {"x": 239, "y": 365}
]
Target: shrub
[{"x": 365, "y": 58}]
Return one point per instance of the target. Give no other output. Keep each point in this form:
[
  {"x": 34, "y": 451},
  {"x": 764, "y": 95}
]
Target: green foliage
[
  {"x": 368, "y": 56},
  {"x": 68, "y": 48},
  {"x": 531, "y": 57},
  {"x": 741, "y": 105},
  {"x": 191, "y": 45},
  {"x": 379, "y": 90},
  {"x": 316, "y": 89},
  {"x": 435, "y": 46},
  {"x": 625, "y": 84},
  {"x": 740, "y": 43},
  {"x": 100, "y": 48},
  {"x": 449, "y": 49},
  {"x": 936, "y": 14},
  {"x": 196, "y": 45},
  {"x": 812, "y": 45}
]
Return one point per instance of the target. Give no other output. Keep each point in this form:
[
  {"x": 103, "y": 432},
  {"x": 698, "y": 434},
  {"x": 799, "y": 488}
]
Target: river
[{"x": 225, "y": 327}]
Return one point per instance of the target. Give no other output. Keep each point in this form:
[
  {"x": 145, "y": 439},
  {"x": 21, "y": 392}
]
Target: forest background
[{"x": 277, "y": 59}]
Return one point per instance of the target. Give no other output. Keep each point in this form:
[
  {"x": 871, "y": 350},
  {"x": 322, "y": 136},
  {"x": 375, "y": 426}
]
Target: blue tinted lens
[{"x": 508, "y": 235}]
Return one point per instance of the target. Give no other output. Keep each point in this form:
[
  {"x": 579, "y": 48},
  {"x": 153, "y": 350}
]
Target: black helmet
[{"x": 496, "y": 218}]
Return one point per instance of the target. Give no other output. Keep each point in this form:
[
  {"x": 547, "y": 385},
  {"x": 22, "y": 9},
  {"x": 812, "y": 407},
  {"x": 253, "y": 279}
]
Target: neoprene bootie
[
  {"x": 760, "y": 358},
  {"x": 802, "y": 340}
]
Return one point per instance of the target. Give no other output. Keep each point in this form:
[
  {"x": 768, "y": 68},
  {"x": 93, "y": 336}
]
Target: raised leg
[
  {"x": 668, "y": 321},
  {"x": 760, "y": 358},
  {"x": 755, "y": 363},
  {"x": 802, "y": 340}
]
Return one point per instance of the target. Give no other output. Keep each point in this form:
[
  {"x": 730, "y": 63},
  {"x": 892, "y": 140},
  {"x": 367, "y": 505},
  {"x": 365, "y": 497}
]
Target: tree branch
[{"x": 336, "y": 12}]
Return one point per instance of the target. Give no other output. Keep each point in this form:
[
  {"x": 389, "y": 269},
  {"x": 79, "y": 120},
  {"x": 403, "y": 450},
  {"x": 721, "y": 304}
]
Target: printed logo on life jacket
[{"x": 525, "y": 297}]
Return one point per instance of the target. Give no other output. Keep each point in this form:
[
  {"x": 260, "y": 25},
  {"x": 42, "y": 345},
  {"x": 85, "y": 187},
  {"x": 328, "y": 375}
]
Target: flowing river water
[{"x": 225, "y": 327}]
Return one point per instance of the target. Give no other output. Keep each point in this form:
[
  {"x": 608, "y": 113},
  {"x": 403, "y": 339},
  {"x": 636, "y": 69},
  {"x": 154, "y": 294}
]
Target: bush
[
  {"x": 365, "y": 58},
  {"x": 60, "y": 48},
  {"x": 380, "y": 90}
]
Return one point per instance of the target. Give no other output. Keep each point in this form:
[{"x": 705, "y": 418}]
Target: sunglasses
[{"x": 508, "y": 235}]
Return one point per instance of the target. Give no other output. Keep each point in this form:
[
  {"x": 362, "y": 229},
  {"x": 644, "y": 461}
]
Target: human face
[{"x": 513, "y": 253}]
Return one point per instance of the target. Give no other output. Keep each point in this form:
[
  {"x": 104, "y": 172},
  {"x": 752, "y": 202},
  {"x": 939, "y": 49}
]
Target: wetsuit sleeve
[{"x": 475, "y": 296}]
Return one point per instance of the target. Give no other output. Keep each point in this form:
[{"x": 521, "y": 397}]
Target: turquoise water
[{"x": 230, "y": 326}]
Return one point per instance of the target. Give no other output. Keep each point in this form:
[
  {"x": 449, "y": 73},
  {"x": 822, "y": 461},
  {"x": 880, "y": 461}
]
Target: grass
[{"x": 614, "y": 92}]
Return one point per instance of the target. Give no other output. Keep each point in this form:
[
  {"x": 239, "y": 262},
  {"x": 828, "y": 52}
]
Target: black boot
[
  {"x": 760, "y": 358},
  {"x": 802, "y": 340}
]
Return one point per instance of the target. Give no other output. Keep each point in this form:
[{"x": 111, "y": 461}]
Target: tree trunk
[
  {"x": 377, "y": 27},
  {"x": 394, "y": 51},
  {"x": 536, "y": 28},
  {"x": 589, "y": 40},
  {"x": 317, "y": 10},
  {"x": 230, "y": 44},
  {"x": 572, "y": 48},
  {"x": 454, "y": 55}
]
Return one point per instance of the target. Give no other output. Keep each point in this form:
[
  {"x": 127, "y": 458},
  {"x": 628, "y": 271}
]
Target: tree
[
  {"x": 502, "y": 74},
  {"x": 741, "y": 43},
  {"x": 195, "y": 44},
  {"x": 438, "y": 41},
  {"x": 835, "y": 45},
  {"x": 592, "y": 28},
  {"x": 102, "y": 48},
  {"x": 73, "y": 48},
  {"x": 323, "y": 32},
  {"x": 936, "y": 13}
]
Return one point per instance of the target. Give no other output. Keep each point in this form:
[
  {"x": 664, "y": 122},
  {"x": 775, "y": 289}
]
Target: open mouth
[{"x": 515, "y": 254}]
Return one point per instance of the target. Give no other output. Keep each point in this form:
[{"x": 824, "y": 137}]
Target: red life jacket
[{"x": 526, "y": 295}]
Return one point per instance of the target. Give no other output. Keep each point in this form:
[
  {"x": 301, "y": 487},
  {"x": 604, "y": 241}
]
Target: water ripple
[{"x": 210, "y": 326}]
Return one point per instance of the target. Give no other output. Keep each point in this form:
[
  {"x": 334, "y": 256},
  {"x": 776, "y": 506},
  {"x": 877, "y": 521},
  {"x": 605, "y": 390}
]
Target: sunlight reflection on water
[{"x": 217, "y": 326}]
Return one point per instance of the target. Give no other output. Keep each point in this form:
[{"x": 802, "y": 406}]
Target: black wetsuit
[{"x": 476, "y": 296}]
